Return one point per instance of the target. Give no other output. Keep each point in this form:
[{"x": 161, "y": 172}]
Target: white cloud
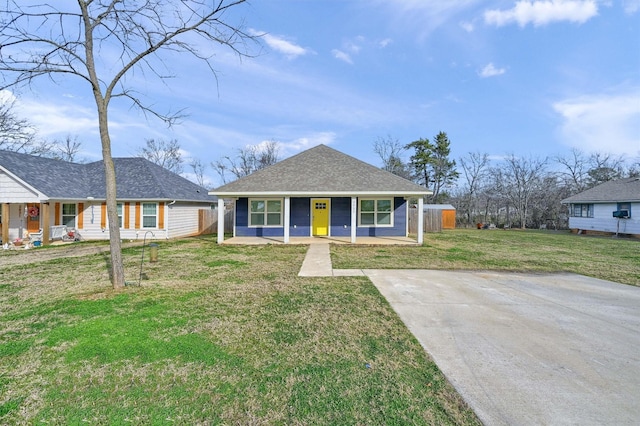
[
  {"x": 602, "y": 122},
  {"x": 491, "y": 71},
  {"x": 289, "y": 49},
  {"x": 423, "y": 16},
  {"x": 540, "y": 13},
  {"x": 467, "y": 26},
  {"x": 55, "y": 119},
  {"x": 386, "y": 42},
  {"x": 306, "y": 142},
  {"x": 631, "y": 6},
  {"x": 6, "y": 96},
  {"x": 339, "y": 54}
]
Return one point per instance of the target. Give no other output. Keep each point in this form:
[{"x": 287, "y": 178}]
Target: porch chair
[{"x": 58, "y": 231}]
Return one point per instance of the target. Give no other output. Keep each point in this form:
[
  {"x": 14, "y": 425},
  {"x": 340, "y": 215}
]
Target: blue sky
[{"x": 530, "y": 78}]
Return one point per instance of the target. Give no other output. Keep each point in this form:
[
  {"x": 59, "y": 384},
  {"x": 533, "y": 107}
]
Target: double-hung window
[
  {"x": 582, "y": 210},
  {"x": 69, "y": 215},
  {"x": 376, "y": 212},
  {"x": 266, "y": 212},
  {"x": 149, "y": 215},
  {"x": 119, "y": 206}
]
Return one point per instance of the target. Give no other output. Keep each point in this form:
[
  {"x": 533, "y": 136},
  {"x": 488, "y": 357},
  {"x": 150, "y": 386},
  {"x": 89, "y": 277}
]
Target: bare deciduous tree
[
  {"x": 574, "y": 170},
  {"x": 60, "y": 39},
  {"x": 163, "y": 153},
  {"x": 68, "y": 149},
  {"x": 16, "y": 134},
  {"x": 517, "y": 180},
  {"x": 249, "y": 159},
  {"x": 390, "y": 151},
  {"x": 475, "y": 170},
  {"x": 198, "y": 171}
]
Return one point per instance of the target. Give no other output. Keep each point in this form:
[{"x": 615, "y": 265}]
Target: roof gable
[
  {"x": 613, "y": 191},
  {"x": 54, "y": 178},
  {"x": 320, "y": 170}
]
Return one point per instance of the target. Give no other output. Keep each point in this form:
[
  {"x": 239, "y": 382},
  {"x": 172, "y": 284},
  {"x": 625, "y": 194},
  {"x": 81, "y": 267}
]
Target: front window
[
  {"x": 119, "y": 215},
  {"x": 625, "y": 206},
  {"x": 149, "y": 215},
  {"x": 582, "y": 210},
  {"x": 69, "y": 215},
  {"x": 376, "y": 212},
  {"x": 265, "y": 212}
]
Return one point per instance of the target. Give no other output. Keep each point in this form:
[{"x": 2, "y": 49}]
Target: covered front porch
[
  {"x": 20, "y": 220},
  {"x": 343, "y": 221}
]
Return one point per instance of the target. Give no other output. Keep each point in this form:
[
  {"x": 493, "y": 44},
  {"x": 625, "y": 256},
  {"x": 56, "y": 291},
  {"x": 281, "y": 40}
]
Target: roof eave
[{"x": 235, "y": 194}]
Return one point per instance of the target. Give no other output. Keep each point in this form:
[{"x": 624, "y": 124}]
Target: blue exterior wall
[
  {"x": 300, "y": 225},
  {"x": 340, "y": 221},
  {"x": 399, "y": 228}
]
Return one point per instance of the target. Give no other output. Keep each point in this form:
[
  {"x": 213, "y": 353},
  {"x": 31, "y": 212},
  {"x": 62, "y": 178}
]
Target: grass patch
[
  {"x": 614, "y": 259},
  {"x": 215, "y": 335}
]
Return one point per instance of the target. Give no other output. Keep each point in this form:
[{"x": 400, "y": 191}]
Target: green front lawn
[
  {"x": 214, "y": 335},
  {"x": 608, "y": 258}
]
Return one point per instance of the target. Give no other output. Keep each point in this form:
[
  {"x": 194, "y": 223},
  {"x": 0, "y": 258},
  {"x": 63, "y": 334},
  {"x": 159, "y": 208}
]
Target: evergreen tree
[{"x": 431, "y": 165}]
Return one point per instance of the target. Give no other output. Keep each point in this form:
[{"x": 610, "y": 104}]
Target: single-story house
[
  {"x": 44, "y": 195},
  {"x": 447, "y": 213},
  {"x": 611, "y": 207},
  {"x": 320, "y": 192}
]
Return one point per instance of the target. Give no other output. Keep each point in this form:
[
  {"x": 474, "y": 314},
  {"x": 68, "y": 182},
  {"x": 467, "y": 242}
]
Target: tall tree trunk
[{"x": 117, "y": 267}]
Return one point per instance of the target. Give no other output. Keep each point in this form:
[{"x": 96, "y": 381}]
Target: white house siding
[
  {"x": 179, "y": 220},
  {"x": 12, "y": 191},
  {"x": 604, "y": 221},
  {"x": 183, "y": 219}
]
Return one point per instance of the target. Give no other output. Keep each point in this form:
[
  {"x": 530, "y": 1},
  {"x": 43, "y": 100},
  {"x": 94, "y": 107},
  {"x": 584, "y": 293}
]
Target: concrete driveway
[{"x": 525, "y": 349}]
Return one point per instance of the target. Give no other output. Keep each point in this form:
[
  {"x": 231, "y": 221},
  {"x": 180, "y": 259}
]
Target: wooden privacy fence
[
  {"x": 432, "y": 221},
  {"x": 208, "y": 221}
]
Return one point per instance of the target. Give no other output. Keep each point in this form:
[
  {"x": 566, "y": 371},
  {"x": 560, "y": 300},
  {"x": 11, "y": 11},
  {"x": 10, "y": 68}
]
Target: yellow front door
[{"x": 320, "y": 217}]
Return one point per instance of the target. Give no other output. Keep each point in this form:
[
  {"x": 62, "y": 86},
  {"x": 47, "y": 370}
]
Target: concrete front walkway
[
  {"x": 521, "y": 349},
  {"x": 317, "y": 263}
]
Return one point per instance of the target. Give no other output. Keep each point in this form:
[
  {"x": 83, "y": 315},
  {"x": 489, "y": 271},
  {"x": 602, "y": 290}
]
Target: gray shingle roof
[
  {"x": 320, "y": 170},
  {"x": 136, "y": 179},
  {"x": 613, "y": 191}
]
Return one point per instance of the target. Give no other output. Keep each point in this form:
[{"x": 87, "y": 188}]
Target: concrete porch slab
[{"x": 322, "y": 240}]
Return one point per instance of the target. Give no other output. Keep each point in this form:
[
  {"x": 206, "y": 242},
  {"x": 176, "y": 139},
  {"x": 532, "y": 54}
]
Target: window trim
[
  {"x": 375, "y": 212},
  {"x": 142, "y": 215},
  {"x": 120, "y": 211},
  {"x": 75, "y": 214},
  {"x": 590, "y": 209},
  {"x": 265, "y": 213}
]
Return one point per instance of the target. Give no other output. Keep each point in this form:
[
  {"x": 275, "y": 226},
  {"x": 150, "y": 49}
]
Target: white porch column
[
  {"x": 354, "y": 218},
  {"x": 287, "y": 218},
  {"x": 420, "y": 220},
  {"x": 220, "y": 220}
]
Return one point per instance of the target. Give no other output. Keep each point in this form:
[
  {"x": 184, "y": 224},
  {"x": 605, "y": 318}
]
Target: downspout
[{"x": 166, "y": 233}]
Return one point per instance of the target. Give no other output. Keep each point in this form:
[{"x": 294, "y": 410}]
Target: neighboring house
[
  {"x": 593, "y": 209},
  {"x": 321, "y": 192},
  {"x": 447, "y": 213},
  {"x": 43, "y": 194}
]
